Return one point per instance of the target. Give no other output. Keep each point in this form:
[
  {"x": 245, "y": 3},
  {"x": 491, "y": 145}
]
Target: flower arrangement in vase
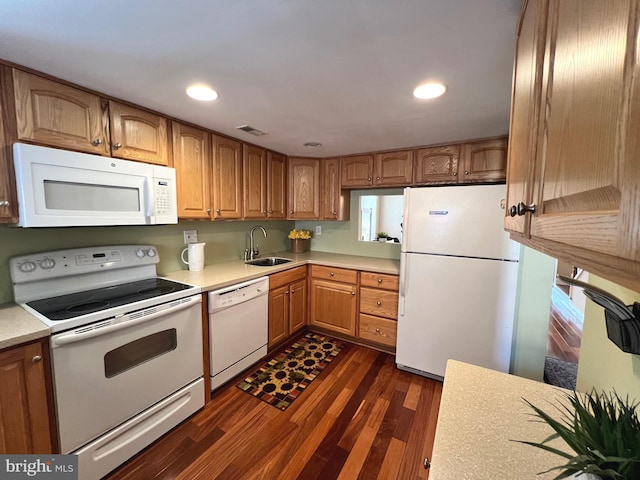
[{"x": 300, "y": 240}]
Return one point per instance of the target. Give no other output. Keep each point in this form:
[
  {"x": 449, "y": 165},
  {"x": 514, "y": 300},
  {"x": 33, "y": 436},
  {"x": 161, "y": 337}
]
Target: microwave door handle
[
  {"x": 148, "y": 199},
  {"x": 71, "y": 337}
]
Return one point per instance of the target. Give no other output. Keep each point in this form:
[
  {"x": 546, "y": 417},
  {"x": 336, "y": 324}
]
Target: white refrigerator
[{"x": 458, "y": 274}]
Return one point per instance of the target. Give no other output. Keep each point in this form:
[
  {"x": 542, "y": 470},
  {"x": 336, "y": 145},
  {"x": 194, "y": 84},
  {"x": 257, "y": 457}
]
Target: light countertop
[
  {"x": 223, "y": 274},
  {"x": 18, "y": 326},
  {"x": 481, "y": 412}
]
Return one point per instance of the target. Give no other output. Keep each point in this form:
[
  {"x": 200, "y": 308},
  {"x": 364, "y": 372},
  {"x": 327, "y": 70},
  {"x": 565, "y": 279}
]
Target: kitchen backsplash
[{"x": 225, "y": 241}]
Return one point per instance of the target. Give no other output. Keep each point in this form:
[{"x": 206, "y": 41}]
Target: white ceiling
[{"x": 340, "y": 72}]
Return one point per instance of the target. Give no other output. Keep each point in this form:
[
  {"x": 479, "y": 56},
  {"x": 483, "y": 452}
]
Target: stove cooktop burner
[{"x": 77, "y": 304}]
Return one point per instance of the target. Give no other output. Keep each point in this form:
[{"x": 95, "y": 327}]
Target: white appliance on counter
[
  {"x": 238, "y": 328},
  {"x": 60, "y": 188},
  {"x": 126, "y": 348},
  {"x": 458, "y": 274}
]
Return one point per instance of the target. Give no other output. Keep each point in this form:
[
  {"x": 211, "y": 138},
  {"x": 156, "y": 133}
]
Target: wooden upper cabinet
[
  {"x": 276, "y": 185},
  {"x": 357, "y": 171},
  {"x": 525, "y": 110},
  {"x": 587, "y": 188},
  {"x": 192, "y": 161},
  {"x": 8, "y": 194},
  {"x": 24, "y": 401},
  {"x": 484, "y": 161},
  {"x": 54, "y": 114},
  {"x": 335, "y": 203},
  {"x": 227, "y": 178},
  {"x": 138, "y": 135},
  {"x": 436, "y": 165},
  {"x": 304, "y": 188},
  {"x": 393, "y": 168},
  {"x": 254, "y": 168}
]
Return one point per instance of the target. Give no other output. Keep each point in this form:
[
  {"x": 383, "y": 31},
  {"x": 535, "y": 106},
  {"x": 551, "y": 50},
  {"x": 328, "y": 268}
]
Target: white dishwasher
[{"x": 238, "y": 328}]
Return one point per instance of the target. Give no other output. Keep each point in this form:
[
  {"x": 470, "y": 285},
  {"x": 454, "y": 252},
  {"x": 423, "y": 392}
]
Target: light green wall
[
  {"x": 531, "y": 323},
  {"x": 225, "y": 241},
  {"x": 602, "y": 364},
  {"x": 342, "y": 237}
]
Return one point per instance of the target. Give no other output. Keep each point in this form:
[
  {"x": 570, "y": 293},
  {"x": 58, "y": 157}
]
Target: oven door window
[{"x": 139, "y": 351}]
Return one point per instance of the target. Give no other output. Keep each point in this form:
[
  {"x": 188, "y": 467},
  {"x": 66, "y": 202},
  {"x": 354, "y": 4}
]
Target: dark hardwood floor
[{"x": 362, "y": 418}]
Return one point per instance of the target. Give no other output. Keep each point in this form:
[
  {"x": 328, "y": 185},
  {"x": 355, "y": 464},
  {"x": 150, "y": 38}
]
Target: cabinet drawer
[
  {"x": 379, "y": 280},
  {"x": 379, "y": 302},
  {"x": 283, "y": 278},
  {"x": 336, "y": 274},
  {"x": 379, "y": 330}
]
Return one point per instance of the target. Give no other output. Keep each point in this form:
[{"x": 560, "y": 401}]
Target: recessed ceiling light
[
  {"x": 312, "y": 144},
  {"x": 429, "y": 90},
  {"x": 202, "y": 92}
]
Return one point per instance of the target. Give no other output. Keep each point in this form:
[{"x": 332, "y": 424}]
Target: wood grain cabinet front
[
  {"x": 582, "y": 191},
  {"x": 254, "y": 184},
  {"x": 227, "y": 178},
  {"x": 276, "y": 185},
  {"x": 484, "y": 161},
  {"x": 304, "y": 188},
  {"x": 436, "y": 165},
  {"x": 378, "y": 308},
  {"x": 386, "y": 169},
  {"x": 25, "y": 400},
  {"x": 51, "y": 113},
  {"x": 192, "y": 161},
  {"x": 335, "y": 202},
  {"x": 334, "y": 299},
  {"x": 139, "y": 135},
  {"x": 287, "y": 304}
]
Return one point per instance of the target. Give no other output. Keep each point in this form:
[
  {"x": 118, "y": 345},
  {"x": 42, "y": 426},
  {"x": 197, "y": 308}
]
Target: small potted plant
[
  {"x": 382, "y": 236},
  {"x": 603, "y": 430},
  {"x": 300, "y": 240}
]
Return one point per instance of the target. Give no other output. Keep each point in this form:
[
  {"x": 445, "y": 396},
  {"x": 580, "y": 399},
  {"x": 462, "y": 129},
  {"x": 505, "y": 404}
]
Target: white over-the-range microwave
[{"x": 60, "y": 188}]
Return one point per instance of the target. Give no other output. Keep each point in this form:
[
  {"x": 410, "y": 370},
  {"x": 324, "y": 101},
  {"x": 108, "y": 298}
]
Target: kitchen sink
[{"x": 268, "y": 261}]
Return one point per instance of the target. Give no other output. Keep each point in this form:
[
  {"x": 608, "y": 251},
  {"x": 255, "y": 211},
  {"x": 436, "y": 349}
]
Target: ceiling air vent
[{"x": 251, "y": 130}]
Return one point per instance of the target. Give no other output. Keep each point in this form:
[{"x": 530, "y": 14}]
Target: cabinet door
[
  {"x": 276, "y": 185},
  {"x": 333, "y": 306},
  {"x": 192, "y": 161},
  {"x": 357, "y": 171},
  {"x": 254, "y": 184},
  {"x": 227, "y": 178},
  {"x": 436, "y": 165},
  {"x": 297, "y": 305},
  {"x": 393, "y": 168},
  {"x": 138, "y": 135},
  {"x": 588, "y": 173},
  {"x": 278, "y": 315},
  {"x": 53, "y": 114},
  {"x": 525, "y": 110},
  {"x": 8, "y": 195},
  {"x": 304, "y": 188},
  {"x": 484, "y": 161},
  {"x": 24, "y": 416},
  {"x": 335, "y": 202}
]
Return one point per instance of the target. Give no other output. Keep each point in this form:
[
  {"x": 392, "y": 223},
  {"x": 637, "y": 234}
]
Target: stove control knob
[
  {"x": 48, "y": 263},
  {"x": 151, "y": 252},
  {"x": 139, "y": 253},
  {"x": 27, "y": 267}
]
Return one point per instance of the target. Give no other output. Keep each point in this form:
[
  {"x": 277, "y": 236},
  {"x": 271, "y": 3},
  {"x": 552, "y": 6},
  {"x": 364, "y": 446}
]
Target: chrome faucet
[{"x": 253, "y": 249}]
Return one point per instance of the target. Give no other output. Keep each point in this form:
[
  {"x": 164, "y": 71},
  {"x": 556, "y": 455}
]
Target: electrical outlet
[
  {"x": 190, "y": 236},
  {"x": 318, "y": 230}
]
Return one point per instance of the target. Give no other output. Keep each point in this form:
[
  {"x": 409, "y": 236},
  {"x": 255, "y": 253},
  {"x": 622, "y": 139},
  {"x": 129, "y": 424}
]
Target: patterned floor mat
[{"x": 283, "y": 378}]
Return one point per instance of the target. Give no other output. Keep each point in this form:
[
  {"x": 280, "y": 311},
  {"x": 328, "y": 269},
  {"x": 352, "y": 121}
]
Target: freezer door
[
  {"x": 455, "y": 308},
  {"x": 464, "y": 220}
]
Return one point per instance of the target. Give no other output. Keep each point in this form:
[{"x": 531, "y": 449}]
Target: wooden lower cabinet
[
  {"x": 287, "y": 304},
  {"x": 334, "y": 299},
  {"x": 25, "y": 425},
  {"x": 378, "y": 318}
]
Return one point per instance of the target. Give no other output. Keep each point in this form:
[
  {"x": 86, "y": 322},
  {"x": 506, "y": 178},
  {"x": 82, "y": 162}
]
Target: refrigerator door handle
[
  {"x": 405, "y": 221},
  {"x": 404, "y": 272}
]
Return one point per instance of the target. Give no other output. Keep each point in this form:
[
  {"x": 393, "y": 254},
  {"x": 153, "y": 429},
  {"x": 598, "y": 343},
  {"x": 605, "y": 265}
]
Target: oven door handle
[{"x": 122, "y": 322}]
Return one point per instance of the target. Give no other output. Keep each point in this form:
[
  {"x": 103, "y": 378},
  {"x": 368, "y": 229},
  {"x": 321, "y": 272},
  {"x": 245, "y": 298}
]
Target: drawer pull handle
[
  {"x": 331, "y": 274},
  {"x": 378, "y": 303},
  {"x": 377, "y": 330},
  {"x": 36, "y": 359},
  {"x": 379, "y": 280},
  {"x": 353, "y": 293}
]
